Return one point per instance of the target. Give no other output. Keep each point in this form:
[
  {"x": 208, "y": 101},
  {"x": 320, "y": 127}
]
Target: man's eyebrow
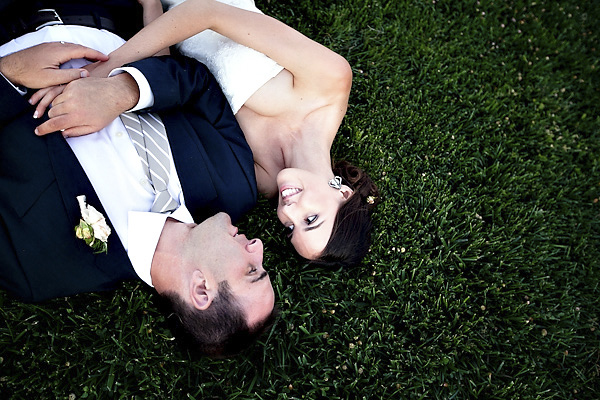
[
  {"x": 262, "y": 276},
  {"x": 310, "y": 228}
]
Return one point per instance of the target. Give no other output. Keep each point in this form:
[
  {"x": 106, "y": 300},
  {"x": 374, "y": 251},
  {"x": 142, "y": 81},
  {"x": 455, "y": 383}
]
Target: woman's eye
[
  {"x": 290, "y": 230},
  {"x": 311, "y": 219},
  {"x": 252, "y": 270}
]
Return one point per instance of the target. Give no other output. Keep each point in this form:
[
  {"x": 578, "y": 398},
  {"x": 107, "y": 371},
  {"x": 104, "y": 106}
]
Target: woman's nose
[{"x": 292, "y": 211}]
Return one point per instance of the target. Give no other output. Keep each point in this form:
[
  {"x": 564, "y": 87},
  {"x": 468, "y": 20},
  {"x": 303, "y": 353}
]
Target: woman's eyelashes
[
  {"x": 309, "y": 220},
  {"x": 290, "y": 230}
]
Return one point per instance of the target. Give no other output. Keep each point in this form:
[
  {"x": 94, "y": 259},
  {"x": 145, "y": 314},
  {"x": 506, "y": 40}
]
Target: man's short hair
[{"x": 220, "y": 330}]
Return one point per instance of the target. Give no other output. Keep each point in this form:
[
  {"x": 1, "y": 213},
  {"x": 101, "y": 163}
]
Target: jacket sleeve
[
  {"x": 13, "y": 103},
  {"x": 182, "y": 83},
  {"x": 178, "y": 81}
]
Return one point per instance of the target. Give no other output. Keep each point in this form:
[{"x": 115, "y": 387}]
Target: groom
[{"x": 203, "y": 269}]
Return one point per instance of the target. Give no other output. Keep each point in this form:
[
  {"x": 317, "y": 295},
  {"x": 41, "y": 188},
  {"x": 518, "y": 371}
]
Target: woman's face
[{"x": 307, "y": 207}]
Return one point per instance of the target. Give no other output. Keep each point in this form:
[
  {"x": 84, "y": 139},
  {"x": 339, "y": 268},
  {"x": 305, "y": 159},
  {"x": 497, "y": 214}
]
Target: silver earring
[{"x": 335, "y": 183}]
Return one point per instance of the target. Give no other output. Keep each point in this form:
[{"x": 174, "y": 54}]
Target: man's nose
[
  {"x": 255, "y": 250},
  {"x": 254, "y": 246}
]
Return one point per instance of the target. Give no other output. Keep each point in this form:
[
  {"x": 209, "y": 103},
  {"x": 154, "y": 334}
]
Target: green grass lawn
[{"x": 480, "y": 122}]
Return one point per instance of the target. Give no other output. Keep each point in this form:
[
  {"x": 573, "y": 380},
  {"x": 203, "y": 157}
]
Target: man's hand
[
  {"x": 85, "y": 106},
  {"x": 38, "y": 66}
]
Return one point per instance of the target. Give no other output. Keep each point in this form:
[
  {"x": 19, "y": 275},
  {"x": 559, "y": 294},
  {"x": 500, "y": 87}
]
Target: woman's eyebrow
[{"x": 310, "y": 228}]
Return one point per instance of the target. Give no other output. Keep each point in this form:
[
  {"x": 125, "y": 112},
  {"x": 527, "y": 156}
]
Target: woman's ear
[
  {"x": 201, "y": 294},
  {"x": 346, "y": 192}
]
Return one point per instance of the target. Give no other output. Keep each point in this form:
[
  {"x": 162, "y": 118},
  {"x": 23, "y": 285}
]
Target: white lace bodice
[{"x": 240, "y": 70}]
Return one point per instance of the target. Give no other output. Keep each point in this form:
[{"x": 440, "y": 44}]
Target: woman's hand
[
  {"x": 43, "y": 98},
  {"x": 101, "y": 69}
]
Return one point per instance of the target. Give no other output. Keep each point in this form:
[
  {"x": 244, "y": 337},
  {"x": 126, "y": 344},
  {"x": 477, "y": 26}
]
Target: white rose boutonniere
[{"x": 92, "y": 227}]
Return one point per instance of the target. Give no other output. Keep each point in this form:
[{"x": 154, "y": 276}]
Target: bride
[{"x": 289, "y": 95}]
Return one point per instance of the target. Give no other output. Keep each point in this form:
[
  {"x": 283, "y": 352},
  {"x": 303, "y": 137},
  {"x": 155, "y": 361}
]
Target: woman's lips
[{"x": 288, "y": 191}]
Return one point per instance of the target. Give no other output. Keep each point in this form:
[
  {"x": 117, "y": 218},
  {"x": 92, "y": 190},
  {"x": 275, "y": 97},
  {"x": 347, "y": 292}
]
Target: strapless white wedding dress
[{"x": 240, "y": 70}]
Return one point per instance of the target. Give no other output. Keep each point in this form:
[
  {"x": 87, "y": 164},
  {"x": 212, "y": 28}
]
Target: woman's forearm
[
  {"x": 179, "y": 23},
  {"x": 273, "y": 38},
  {"x": 152, "y": 10}
]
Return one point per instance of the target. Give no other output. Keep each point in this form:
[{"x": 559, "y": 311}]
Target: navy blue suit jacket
[{"x": 40, "y": 178}]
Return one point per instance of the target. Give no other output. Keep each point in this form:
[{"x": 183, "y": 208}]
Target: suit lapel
[
  {"x": 215, "y": 167},
  {"x": 70, "y": 177},
  {"x": 189, "y": 159},
  {"x": 72, "y": 182}
]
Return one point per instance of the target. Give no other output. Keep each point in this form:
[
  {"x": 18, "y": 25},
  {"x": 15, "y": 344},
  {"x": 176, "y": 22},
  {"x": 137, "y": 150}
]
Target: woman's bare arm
[
  {"x": 313, "y": 66},
  {"x": 152, "y": 9}
]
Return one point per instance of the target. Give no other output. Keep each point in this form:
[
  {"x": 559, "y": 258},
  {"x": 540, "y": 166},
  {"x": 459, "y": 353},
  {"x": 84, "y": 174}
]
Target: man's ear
[
  {"x": 201, "y": 294},
  {"x": 346, "y": 192}
]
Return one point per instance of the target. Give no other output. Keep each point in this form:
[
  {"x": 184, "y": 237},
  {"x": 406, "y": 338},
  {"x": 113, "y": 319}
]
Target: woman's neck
[
  {"x": 277, "y": 145},
  {"x": 311, "y": 157}
]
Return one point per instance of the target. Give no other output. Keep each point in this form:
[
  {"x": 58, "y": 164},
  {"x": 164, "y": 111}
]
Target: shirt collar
[{"x": 143, "y": 235}]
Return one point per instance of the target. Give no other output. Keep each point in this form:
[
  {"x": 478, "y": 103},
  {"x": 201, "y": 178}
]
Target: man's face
[{"x": 225, "y": 255}]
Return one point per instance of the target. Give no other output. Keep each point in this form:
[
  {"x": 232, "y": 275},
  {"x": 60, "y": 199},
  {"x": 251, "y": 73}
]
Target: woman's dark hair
[
  {"x": 351, "y": 234},
  {"x": 220, "y": 330}
]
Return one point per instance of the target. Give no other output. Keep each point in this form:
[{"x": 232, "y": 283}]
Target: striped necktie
[{"x": 149, "y": 137}]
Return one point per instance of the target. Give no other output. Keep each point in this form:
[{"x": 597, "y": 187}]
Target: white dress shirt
[{"x": 109, "y": 158}]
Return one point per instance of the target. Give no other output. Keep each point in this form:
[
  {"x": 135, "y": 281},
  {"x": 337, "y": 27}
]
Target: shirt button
[{"x": 119, "y": 134}]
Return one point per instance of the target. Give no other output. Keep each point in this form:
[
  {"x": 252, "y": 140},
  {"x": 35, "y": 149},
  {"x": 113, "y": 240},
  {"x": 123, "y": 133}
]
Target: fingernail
[
  {"x": 83, "y": 74},
  {"x": 30, "y": 101},
  {"x": 35, "y": 114},
  {"x": 36, "y": 132}
]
